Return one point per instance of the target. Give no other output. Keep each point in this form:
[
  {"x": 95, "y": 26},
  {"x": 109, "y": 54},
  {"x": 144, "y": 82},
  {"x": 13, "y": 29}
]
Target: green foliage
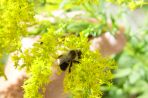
[
  {"x": 86, "y": 78},
  {"x": 88, "y": 28},
  {"x": 94, "y": 22},
  {"x": 2, "y": 65},
  {"x": 40, "y": 72},
  {"x": 38, "y": 61},
  {"x": 42, "y": 27},
  {"x": 15, "y": 16},
  {"x": 132, "y": 77},
  {"x": 48, "y": 5},
  {"x": 95, "y": 10},
  {"x": 132, "y": 4},
  {"x": 41, "y": 57},
  {"x": 14, "y": 19}
]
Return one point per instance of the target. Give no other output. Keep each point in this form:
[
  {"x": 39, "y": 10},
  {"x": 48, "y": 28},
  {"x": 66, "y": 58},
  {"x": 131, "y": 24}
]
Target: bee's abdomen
[{"x": 64, "y": 66}]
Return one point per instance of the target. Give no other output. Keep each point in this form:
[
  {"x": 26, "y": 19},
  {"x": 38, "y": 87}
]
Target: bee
[{"x": 65, "y": 61}]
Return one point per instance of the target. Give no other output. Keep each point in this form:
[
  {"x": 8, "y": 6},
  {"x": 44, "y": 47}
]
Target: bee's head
[
  {"x": 74, "y": 53},
  {"x": 78, "y": 53}
]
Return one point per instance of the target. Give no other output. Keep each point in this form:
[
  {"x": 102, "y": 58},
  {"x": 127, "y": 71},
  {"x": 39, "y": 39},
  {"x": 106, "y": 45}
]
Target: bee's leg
[
  {"x": 75, "y": 61},
  {"x": 60, "y": 56},
  {"x": 70, "y": 66}
]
